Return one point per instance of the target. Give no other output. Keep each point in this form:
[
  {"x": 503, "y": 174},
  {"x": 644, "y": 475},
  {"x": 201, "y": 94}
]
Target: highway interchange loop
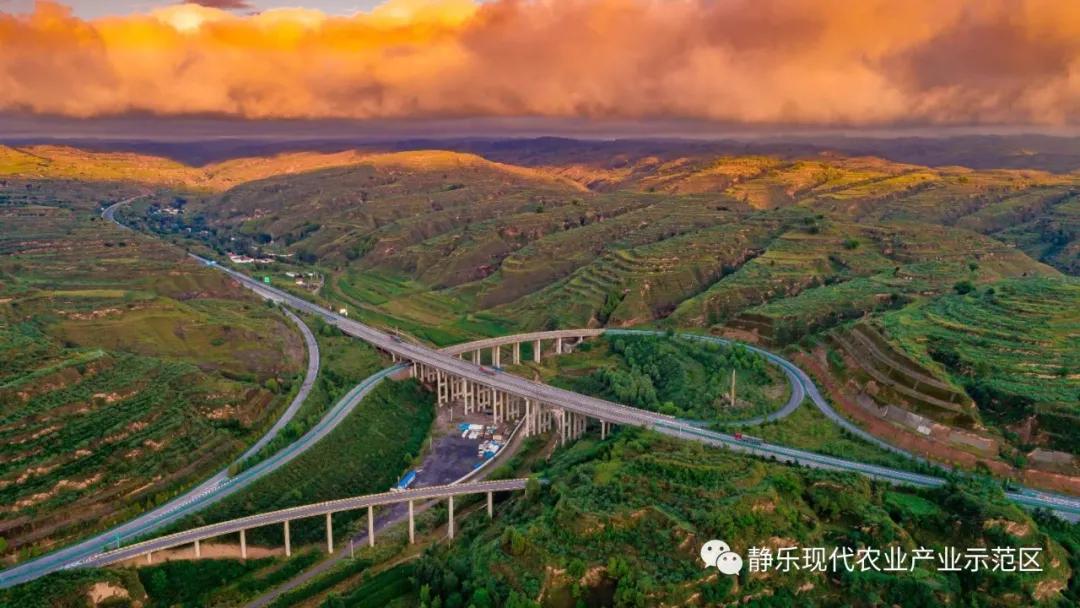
[{"x": 221, "y": 485}]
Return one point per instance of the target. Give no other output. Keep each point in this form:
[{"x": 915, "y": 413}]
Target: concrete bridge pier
[
  {"x": 603, "y": 430},
  {"x": 517, "y": 353},
  {"x": 442, "y": 390},
  {"x": 243, "y": 544},
  {"x": 476, "y": 357},
  {"x": 288, "y": 544},
  {"x": 470, "y": 396},
  {"x": 496, "y": 355},
  {"x": 329, "y": 534},
  {"x": 450, "y": 521},
  {"x": 536, "y": 351},
  {"x": 529, "y": 422},
  {"x": 198, "y": 549},
  {"x": 412, "y": 525},
  {"x": 490, "y": 505},
  {"x": 371, "y": 525},
  {"x": 558, "y": 346}
]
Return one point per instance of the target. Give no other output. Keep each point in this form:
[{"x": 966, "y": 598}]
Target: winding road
[
  {"x": 220, "y": 486},
  {"x": 1066, "y": 506}
]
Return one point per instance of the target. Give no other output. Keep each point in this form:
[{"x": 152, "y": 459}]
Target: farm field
[
  {"x": 1014, "y": 347},
  {"x": 126, "y": 373},
  {"x": 941, "y": 299}
]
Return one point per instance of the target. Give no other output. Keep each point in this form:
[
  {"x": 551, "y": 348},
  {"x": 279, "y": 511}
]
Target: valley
[{"x": 935, "y": 305}]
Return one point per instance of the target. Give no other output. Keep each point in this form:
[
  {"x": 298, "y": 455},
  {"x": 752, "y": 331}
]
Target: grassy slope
[
  {"x": 365, "y": 454},
  {"x": 535, "y": 247},
  {"x": 125, "y": 372},
  {"x": 389, "y": 426},
  {"x": 622, "y": 523}
]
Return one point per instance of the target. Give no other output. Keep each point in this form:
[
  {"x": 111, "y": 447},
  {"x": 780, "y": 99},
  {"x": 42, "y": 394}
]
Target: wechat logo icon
[{"x": 718, "y": 553}]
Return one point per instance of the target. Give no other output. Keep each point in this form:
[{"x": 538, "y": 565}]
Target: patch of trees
[{"x": 678, "y": 376}]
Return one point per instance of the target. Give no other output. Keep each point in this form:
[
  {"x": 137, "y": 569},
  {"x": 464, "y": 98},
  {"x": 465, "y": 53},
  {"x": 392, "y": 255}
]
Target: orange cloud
[{"x": 819, "y": 62}]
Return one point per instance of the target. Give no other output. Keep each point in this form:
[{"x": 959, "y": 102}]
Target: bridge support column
[
  {"x": 517, "y": 353},
  {"x": 243, "y": 544},
  {"x": 149, "y": 557},
  {"x": 442, "y": 391},
  {"x": 329, "y": 534},
  {"x": 412, "y": 524},
  {"x": 476, "y": 357},
  {"x": 490, "y": 505},
  {"x": 536, "y": 351},
  {"x": 198, "y": 549},
  {"x": 528, "y": 418},
  {"x": 371, "y": 526},
  {"x": 450, "y": 521},
  {"x": 288, "y": 544},
  {"x": 558, "y": 346},
  {"x": 496, "y": 355},
  {"x": 603, "y": 430}
]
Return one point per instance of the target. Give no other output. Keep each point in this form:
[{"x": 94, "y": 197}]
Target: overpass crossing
[
  {"x": 457, "y": 374},
  {"x": 325, "y": 509}
]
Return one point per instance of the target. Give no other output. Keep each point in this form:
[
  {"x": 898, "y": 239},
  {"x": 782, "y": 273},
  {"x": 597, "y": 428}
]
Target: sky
[
  {"x": 808, "y": 63},
  {"x": 102, "y": 8}
]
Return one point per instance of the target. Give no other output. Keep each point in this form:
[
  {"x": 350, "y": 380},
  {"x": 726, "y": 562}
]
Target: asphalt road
[
  {"x": 801, "y": 387},
  {"x": 83, "y": 553}
]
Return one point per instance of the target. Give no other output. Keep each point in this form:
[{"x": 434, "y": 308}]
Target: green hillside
[
  {"x": 126, "y": 373},
  {"x": 622, "y": 522},
  {"x": 1014, "y": 346}
]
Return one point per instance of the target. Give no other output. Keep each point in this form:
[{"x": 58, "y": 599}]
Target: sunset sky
[{"x": 871, "y": 63}]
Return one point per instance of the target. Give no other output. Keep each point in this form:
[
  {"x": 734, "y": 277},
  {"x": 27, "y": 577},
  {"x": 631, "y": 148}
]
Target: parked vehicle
[{"x": 405, "y": 482}]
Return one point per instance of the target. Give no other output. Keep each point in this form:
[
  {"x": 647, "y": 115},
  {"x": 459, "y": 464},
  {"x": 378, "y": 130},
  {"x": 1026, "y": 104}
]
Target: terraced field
[
  {"x": 775, "y": 248},
  {"x": 1014, "y": 346},
  {"x": 125, "y": 373}
]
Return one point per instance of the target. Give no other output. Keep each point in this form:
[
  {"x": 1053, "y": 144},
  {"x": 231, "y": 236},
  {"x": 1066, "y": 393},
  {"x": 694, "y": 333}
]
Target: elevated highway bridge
[{"x": 457, "y": 375}]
